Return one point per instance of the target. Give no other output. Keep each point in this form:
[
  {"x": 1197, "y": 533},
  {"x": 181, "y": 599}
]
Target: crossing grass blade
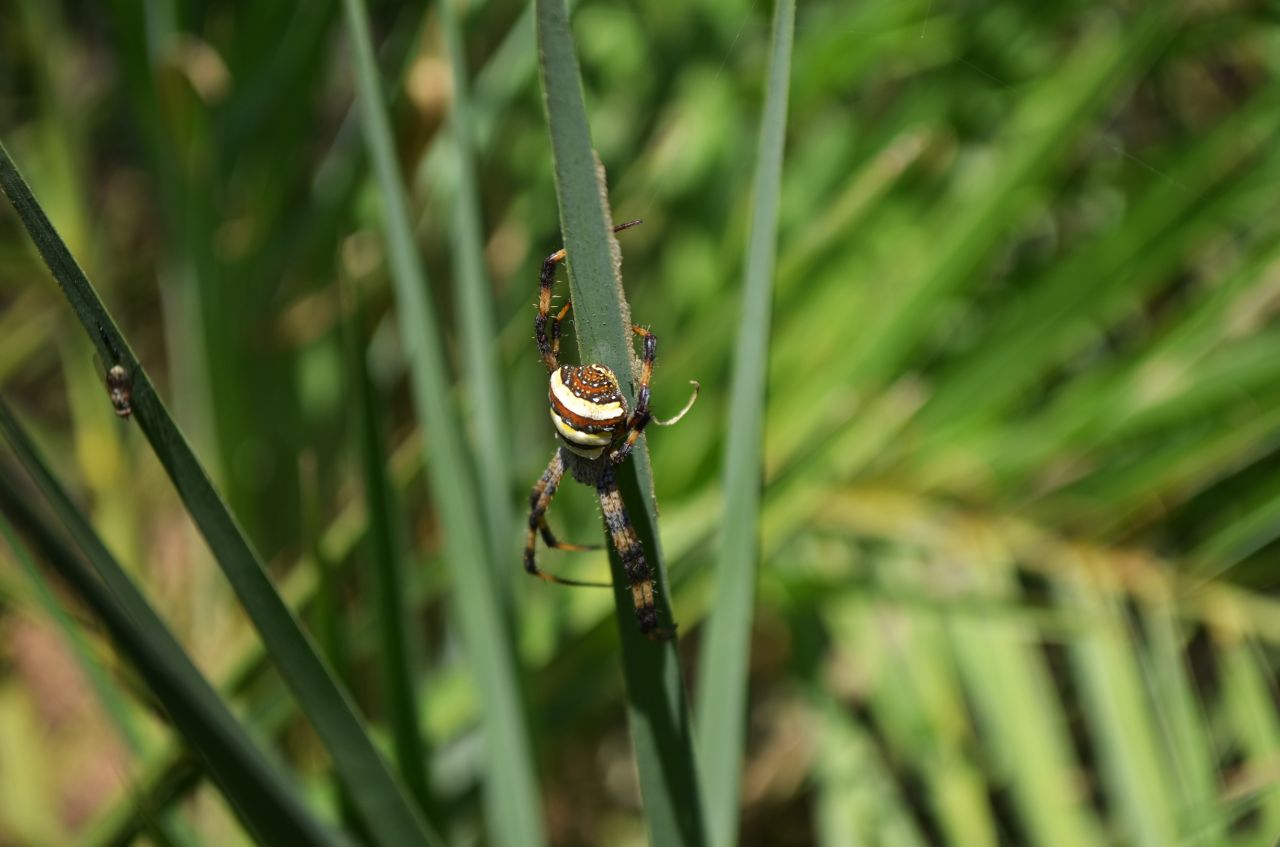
[
  {"x": 270, "y": 807},
  {"x": 167, "y": 777},
  {"x": 172, "y": 829},
  {"x": 660, "y": 727},
  {"x": 512, "y": 802},
  {"x": 722, "y": 686},
  {"x": 382, "y": 803}
]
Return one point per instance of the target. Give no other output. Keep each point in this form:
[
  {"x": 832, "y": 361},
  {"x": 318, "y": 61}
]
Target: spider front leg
[
  {"x": 549, "y": 348},
  {"x": 539, "y": 501},
  {"x": 641, "y": 416}
]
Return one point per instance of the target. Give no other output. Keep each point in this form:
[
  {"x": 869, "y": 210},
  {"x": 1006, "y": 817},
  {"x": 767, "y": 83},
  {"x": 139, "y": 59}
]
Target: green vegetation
[{"x": 972, "y": 537}]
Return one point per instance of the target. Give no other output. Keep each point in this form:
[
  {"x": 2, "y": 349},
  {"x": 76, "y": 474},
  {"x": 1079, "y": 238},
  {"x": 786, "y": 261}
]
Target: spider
[{"x": 596, "y": 434}]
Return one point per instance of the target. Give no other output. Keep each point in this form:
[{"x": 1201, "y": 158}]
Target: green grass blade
[
  {"x": 857, "y": 799},
  {"x": 722, "y": 686},
  {"x": 267, "y": 804},
  {"x": 660, "y": 726},
  {"x": 391, "y": 595},
  {"x": 512, "y": 804},
  {"x": 1011, "y": 689},
  {"x": 170, "y": 825},
  {"x": 348, "y": 529},
  {"x": 1122, "y": 718},
  {"x": 374, "y": 789},
  {"x": 1248, "y": 702},
  {"x": 1034, "y": 141},
  {"x": 487, "y": 410},
  {"x": 1192, "y": 748}
]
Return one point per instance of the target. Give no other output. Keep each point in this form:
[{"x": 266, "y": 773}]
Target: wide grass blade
[
  {"x": 269, "y": 806},
  {"x": 660, "y": 727},
  {"x": 512, "y": 804},
  {"x": 722, "y": 686},
  {"x": 374, "y": 790}
]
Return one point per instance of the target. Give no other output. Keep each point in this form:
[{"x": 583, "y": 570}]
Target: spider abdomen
[{"x": 587, "y": 407}]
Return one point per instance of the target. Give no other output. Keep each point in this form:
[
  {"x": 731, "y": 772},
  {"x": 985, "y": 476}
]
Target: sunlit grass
[{"x": 1016, "y": 534}]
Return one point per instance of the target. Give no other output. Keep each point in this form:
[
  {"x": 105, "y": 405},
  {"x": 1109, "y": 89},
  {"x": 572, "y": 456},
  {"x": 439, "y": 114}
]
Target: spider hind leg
[
  {"x": 539, "y": 501},
  {"x": 639, "y": 575}
]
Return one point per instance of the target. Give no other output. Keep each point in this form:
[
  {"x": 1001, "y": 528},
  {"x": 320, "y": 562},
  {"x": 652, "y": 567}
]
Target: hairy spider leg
[
  {"x": 549, "y": 349},
  {"x": 539, "y": 501},
  {"x": 631, "y": 552},
  {"x": 641, "y": 416}
]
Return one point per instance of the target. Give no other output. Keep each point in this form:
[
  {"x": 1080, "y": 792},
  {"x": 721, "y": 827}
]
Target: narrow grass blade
[
  {"x": 487, "y": 410},
  {"x": 918, "y": 707},
  {"x": 660, "y": 726},
  {"x": 1192, "y": 747},
  {"x": 374, "y": 790},
  {"x": 1017, "y": 709},
  {"x": 385, "y": 547},
  {"x": 1121, "y": 717},
  {"x": 1034, "y": 141},
  {"x": 170, "y": 825},
  {"x": 1248, "y": 702},
  {"x": 268, "y": 805},
  {"x": 722, "y": 686},
  {"x": 165, "y": 781},
  {"x": 512, "y": 804},
  {"x": 857, "y": 799}
]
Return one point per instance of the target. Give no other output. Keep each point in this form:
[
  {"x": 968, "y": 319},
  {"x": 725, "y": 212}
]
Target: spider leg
[
  {"x": 549, "y": 348},
  {"x": 549, "y": 538},
  {"x": 631, "y": 552},
  {"x": 539, "y": 500},
  {"x": 555, "y": 333},
  {"x": 641, "y": 416}
]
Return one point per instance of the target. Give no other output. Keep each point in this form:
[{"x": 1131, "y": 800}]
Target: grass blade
[
  {"x": 1120, "y": 715},
  {"x": 268, "y": 805},
  {"x": 487, "y": 410},
  {"x": 660, "y": 730},
  {"x": 722, "y": 686},
  {"x": 857, "y": 800},
  {"x": 392, "y": 597},
  {"x": 512, "y": 804},
  {"x": 170, "y": 824},
  {"x": 375, "y": 791}
]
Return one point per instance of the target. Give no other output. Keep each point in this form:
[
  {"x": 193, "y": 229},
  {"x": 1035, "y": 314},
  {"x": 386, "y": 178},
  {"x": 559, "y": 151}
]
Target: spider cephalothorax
[{"x": 590, "y": 415}]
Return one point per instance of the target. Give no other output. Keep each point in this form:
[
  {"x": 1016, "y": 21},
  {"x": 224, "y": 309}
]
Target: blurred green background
[{"x": 1020, "y": 530}]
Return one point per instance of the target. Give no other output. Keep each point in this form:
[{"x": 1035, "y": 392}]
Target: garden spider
[{"x": 596, "y": 433}]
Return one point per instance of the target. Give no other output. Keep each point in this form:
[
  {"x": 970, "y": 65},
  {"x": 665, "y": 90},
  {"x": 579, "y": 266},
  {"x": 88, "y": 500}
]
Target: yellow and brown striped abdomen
[{"x": 587, "y": 408}]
